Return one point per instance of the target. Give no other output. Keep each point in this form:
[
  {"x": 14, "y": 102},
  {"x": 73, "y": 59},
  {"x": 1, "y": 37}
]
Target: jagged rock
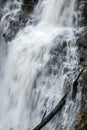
[
  {"x": 82, "y": 12},
  {"x": 20, "y": 19},
  {"x": 82, "y": 47},
  {"x": 83, "y": 121},
  {"x": 82, "y": 40}
]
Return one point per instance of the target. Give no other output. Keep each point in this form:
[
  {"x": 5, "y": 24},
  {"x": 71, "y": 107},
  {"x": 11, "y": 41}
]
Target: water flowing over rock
[
  {"x": 40, "y": 62},
  {"x": 16, "y": 16}
]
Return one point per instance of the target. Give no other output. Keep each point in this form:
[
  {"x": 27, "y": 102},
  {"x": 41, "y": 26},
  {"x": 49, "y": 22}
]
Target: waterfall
[{"x": 39, "y": 67}]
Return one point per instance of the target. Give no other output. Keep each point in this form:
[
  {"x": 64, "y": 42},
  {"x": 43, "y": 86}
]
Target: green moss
[
  {"x": 63, "y": 127},
  {"x": 84, "y": 74}
]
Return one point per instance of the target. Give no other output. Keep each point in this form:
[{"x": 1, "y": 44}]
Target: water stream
[{"x": 39, "y": 66}]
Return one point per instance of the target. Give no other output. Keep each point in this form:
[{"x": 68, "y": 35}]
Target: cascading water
[{"x": 39, "y": 68}]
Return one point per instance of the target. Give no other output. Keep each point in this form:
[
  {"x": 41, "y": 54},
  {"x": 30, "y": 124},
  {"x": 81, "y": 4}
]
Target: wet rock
[
  {"x": 82, "y": 125},
  {"x": 83, "y": 55},
  {"x": 84, "y": 75},
  {"x": 82, "y": 118},
  {"x": 82, "y": 47},
  {"x": 82, "y": 40},
  {"x": 63, "y": 127},
  {"x": 20, "y": 19},
  {"x": 82, "y": 12},
  {"x": 83, "y": 62},
  {"x": 28, "y": 5}
]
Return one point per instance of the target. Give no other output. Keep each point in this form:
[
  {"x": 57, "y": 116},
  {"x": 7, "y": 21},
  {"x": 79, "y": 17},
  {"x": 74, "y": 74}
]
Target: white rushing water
[{"x": 39, "y": 68}]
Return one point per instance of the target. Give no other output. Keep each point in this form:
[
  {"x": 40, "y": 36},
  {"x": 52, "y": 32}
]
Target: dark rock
[
  {"x": 82, "y": 125},
  {"x": 82, "y": 12},
  {"x": 82, "y": 47},
  {"x": 20, "y": 19}
]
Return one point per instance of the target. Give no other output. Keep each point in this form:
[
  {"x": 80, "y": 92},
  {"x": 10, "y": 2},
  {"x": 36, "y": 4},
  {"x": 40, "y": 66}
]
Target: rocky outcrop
[
  {"x": 82, "y": 12},
  {"x": 20, "y": 19},
  {"x": 28, "y": 5},
  {"x": 83, "y": 120},
  {"x": 82, "y": 49}
]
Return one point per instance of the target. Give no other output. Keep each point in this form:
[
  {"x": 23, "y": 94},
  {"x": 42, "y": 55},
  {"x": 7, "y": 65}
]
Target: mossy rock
[
  {"x": 83, "y": 122},
  {"x": 63, "y": 127},
  {"x": 84, "y": 74},
  {"x": 78, "y": 118}
]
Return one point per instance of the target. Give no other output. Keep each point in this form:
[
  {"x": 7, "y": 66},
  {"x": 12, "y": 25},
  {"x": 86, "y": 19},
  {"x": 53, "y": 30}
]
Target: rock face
[
  {"x": 82, "y": 48},
  {"x": 83, "y": 121},
  {"x": 20, "y": 19},
  {"x": 82, "y": 12},
  {"x": 28, "y": 5}
]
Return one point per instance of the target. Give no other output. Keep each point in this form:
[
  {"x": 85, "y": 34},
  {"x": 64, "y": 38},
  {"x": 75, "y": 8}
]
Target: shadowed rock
[
  {"x": 20, "y": 19},
  {"x": 82, "y": 12}
]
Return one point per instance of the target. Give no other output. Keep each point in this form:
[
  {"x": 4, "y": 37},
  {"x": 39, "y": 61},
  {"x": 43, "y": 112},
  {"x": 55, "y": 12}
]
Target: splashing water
[{"x": 39, "y": 69}]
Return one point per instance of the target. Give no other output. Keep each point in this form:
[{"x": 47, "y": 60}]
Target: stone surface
[
  {"x": 20, "y": 19},
  {"x": 82, "y": 12},
  {"x": 82, "y": 47},
  {"x": 83, "y": 122}
]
